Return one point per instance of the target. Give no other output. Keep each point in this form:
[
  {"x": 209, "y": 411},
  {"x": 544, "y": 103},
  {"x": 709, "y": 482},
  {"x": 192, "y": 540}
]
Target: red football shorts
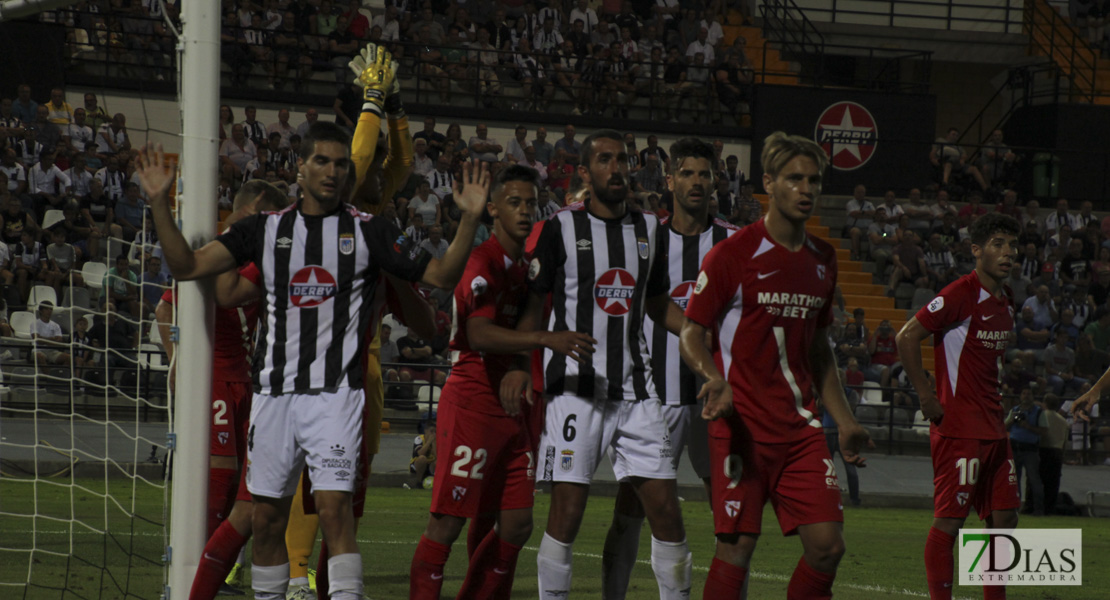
[
  {"x": 489, "y": 461},
  {"x": 231, "y": 412},
  {"x": 968, "y": 472},
  {"x": 798, "y": 478},
  {"x": 243, "y": 495}
]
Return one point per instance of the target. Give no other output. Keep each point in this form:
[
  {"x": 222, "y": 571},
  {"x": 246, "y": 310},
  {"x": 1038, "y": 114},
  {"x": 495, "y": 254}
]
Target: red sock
[
  {"x": 222, "y": 485},
  {"x": 938, "y": 564},
  {"x": 480, "y": 526},
  {"x": 809, "y": 583},
  {"x": 725, "y": 581},
  {"x": 322, "y": 572},
  {"x": 994, "y": 592},
  {"x": 216, "y": 561},
  {"x": 426, "y": 572},
  {"x": 491, "y": 570}
]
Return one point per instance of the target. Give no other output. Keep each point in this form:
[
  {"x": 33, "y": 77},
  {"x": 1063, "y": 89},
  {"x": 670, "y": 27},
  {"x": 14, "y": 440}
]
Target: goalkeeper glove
[{"x": 373, "y": 68}]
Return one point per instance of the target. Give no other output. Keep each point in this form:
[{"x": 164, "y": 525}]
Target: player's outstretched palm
[
  {"x": 374, "y": 68},
  {"x": 718, "y": 399},
  {"x": 156, "y": 175},
  {"x": 579, "y": 346},
  {"x": 472, "y": 189},
  {"x": 853, "y": 439}
]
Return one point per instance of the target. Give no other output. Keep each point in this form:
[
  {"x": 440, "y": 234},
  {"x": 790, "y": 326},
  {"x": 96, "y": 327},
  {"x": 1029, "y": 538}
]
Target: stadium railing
[{"x": 982, "y": 16}]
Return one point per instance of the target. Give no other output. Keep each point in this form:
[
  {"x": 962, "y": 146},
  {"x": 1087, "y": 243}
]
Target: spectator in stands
[
  {"x": 559, "y": 173},
  {"x": 59, "y": 112},
  {"x": 546, "y": 204},
  {"x": 882, "y": 237},
  {"x": 118, "y": 335},
  {"x": 1033, "y": 213},
  {"x": 1032, "y": 337},
  {"x": 7, "y": 277},
  {"x": 27, "y": 150},
  {"x": 83, "y": 354},
  {"x": 131, "y": 211},
  {"x": 483, "y": 148},
  {"x": 1017, "y": 377},
  {"x": 1080, "y": 304},
  {"x": 1044, "y": 308},
  {"x": 426, "y": 204},
  {"x": 515, "y": 151},
  {"x": 853, "y": 340},
  {"x": 650, "y": 179},
  {"x": 860, "y": 213},
  {"x": 112, "y": 137},
  {"x": 884, "y": 354},
  {"x": 78, "y": 133},
  {"x": 940, "y": 264},
  {"x": 389, "y": 353},
  {"x": 548, "y": 39},
  {"x": 1090, "y": 362},
  {"x": 79, "y": 176},
  {"x": 1031, "y": 235},
  {"x": 342, "y": 47},
  {"x": 237, "y": 152},
  {"x": 1100, "y": 287},
  {"x": 422, "y": 164},
  {"x": 61, "y": 257},
  {"x": 941, "y": 207},
  {"x": 48, "y": 337},
  {"x": 973, "y": 209},
  {"x": 572, "y": 148},
  {"x": 531, "y": 162},
  {"x": 544, "y": 150},
  {"x": 1074, "y": 268},
  {"x": 418, "y": 353},
  {"x": 433, "y": 138},
  {"x": 48, "y": 185},
  {"x": 253, "y": 129},
  {"x": 282, "y": 127},
  {"x": 949, "y": 157},
  {"x": 996, "y": 160},
  {"x": 422, "y": 464},
  {"x": 1085, "y": 218},
  {"x": 122, "y": 286},
  {"x": 1008, "y": 205},
  {"x": 1059, "y": 365},
  {"x": 11, "y": 127},
  {"x": 416, "y": 231},
  {"x": 15, "y": 172},
  {"x": 1060, "y": 217},
  {"x": 435, "y": 244},
  {"x": 98, "y": 209},
  {"x": 1027, "y": 423},
  {"x": 427, "y": 20},
  {"x": 24, "y": 108},
  {"x": 1020, "y": 285},
  {"x": 483, "y": 60},
  {"x": 30, "y": 262},
  {"x": 441, "y": 178},
  {"x": 909, "y": 264},
  {"x": 1067, "y": 325}
]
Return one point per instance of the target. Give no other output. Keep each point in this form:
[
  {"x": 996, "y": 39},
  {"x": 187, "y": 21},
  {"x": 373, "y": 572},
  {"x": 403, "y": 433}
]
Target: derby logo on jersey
[
  {"x": 681, "y": 293},
  {"x": 848, "y": 133},
  {"x": 614, "y": 291},
  {"x": 347, "y": 243},
  {"x": 311, "y": 287}
]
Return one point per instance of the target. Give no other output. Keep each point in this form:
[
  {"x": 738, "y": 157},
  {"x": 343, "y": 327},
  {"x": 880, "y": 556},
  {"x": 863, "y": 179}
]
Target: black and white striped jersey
[
  {"x": 599, "y": 272},
  {"x": 683, "y": 256},
  {"x": 320, "y": 274}
]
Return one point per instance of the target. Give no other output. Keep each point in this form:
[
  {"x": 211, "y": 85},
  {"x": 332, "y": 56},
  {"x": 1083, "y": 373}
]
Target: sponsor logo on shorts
[
  {"x": 830, "y": 474},
  {"x": 732, "y": 508},
  {"x": 337, "y": 450},
  {"x": 567, "y": 463},
  {"x": 962, "y": 498},
  {"x": 222, "y": 438},
  {"x": 458, "y": 493},
  {"x": 549, "y": 463},
  {"x": 337, "y": 463},
  {"x": 342, "y": 475}
]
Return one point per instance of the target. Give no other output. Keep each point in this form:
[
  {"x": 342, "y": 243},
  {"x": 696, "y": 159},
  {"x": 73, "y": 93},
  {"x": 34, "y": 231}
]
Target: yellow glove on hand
[{"x": 373, "y": 69}]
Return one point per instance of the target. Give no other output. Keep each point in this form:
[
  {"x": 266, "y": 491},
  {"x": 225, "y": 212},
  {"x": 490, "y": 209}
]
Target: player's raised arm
[
  {"x": 826, "y": 376},
  {"x": 1081, "y": 407},
  {"x": 471, "y": 199},
  {"x": 156, "y": 177},
  {"x": 909, "y": 349},
  {"x": 715, "y": 391}
]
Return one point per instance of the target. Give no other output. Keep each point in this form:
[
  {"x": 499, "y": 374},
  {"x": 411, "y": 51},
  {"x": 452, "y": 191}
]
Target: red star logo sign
[
  {"x": 848, "y": 133},
  {"x": 614, "y": 291},
  {"x": 681, "y": 293},
  {"x": 311, "y": 286}
]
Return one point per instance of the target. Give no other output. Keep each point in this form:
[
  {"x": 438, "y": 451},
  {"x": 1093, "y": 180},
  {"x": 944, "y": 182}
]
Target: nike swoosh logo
[
  {"x": 766, "y": 275},
  {"x": 304, "y": 564},
  {"x": 839, "y": 507},
  {"x": 501, "y": 571},
  {"x": 437, "y": 577},
  {"x": 948, "y": 585},
  {"x": 988, "y": 317}
]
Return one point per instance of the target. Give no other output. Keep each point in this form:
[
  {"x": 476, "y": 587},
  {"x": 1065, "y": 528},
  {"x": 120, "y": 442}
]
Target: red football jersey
[
  {"x": 492, "y": 286},
  {"x": 764, "y": 303},
  {"x": 971, "y": 330},
  {"x": 231, "y": 352}
]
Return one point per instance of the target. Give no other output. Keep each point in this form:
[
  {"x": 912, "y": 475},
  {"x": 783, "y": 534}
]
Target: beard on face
[{"x": 608, "y": 195}]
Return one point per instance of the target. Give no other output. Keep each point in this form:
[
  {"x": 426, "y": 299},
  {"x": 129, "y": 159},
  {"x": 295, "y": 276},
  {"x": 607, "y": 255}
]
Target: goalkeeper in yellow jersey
[{"x": 382, "y": 167}]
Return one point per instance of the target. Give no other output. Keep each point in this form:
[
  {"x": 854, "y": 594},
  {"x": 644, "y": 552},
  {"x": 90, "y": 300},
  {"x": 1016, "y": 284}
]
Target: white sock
[
  {"x": 269, "y": 583},
  {"x": 298, "y": 582},
  {"x": 672, "y": 563},
  {"x": 553, "y": 568},
  {"x": 345, "y": 575},
  {"x": 621, "y": 546}
]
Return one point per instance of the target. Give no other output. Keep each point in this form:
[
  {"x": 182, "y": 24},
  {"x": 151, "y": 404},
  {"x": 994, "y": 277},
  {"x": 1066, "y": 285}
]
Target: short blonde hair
[{"x": 780, "y": 148}]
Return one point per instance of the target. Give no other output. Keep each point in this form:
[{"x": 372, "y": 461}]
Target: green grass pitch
[{"x": 884, "y": 558}]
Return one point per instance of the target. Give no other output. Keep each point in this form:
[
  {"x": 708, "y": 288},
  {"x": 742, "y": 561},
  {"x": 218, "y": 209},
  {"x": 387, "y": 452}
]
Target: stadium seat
[
  {"x": 76, "y": 297},
  {"x": 52, "y": 217},
  {"x": 93, "y": 272},
  {"x": 156, "y": 335},
  {"x": 39, "y": 293},
  {"x": 871, "y": 394},
  {"x": 22, "y": 321},
  {"x": 150, "y": 356},
  {"x": 425, "y": 393},
  {"x": 64, "y": 318},
  {"x": 921, "y": 297}
]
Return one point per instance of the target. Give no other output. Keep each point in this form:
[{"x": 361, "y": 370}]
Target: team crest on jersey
[
  {"x": 347, "y": 243},
  {"x": 821, "y": 272},
  {"x": 311, "y": 286},
  {"x": 458, "y": 493},
  {"x": 962, "y": 497},
  {"x": 642, "y": 248},
  {"x": 936, "y": 304},
  {"x": 479, "y": 285},
  {"x": 568, "y": 460},
  {"x": 732, "y": 508},
  {"x": 681, "y": 293},
  {"x": 222, "y": 437},
  {"x": 614, "y": 291}
]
